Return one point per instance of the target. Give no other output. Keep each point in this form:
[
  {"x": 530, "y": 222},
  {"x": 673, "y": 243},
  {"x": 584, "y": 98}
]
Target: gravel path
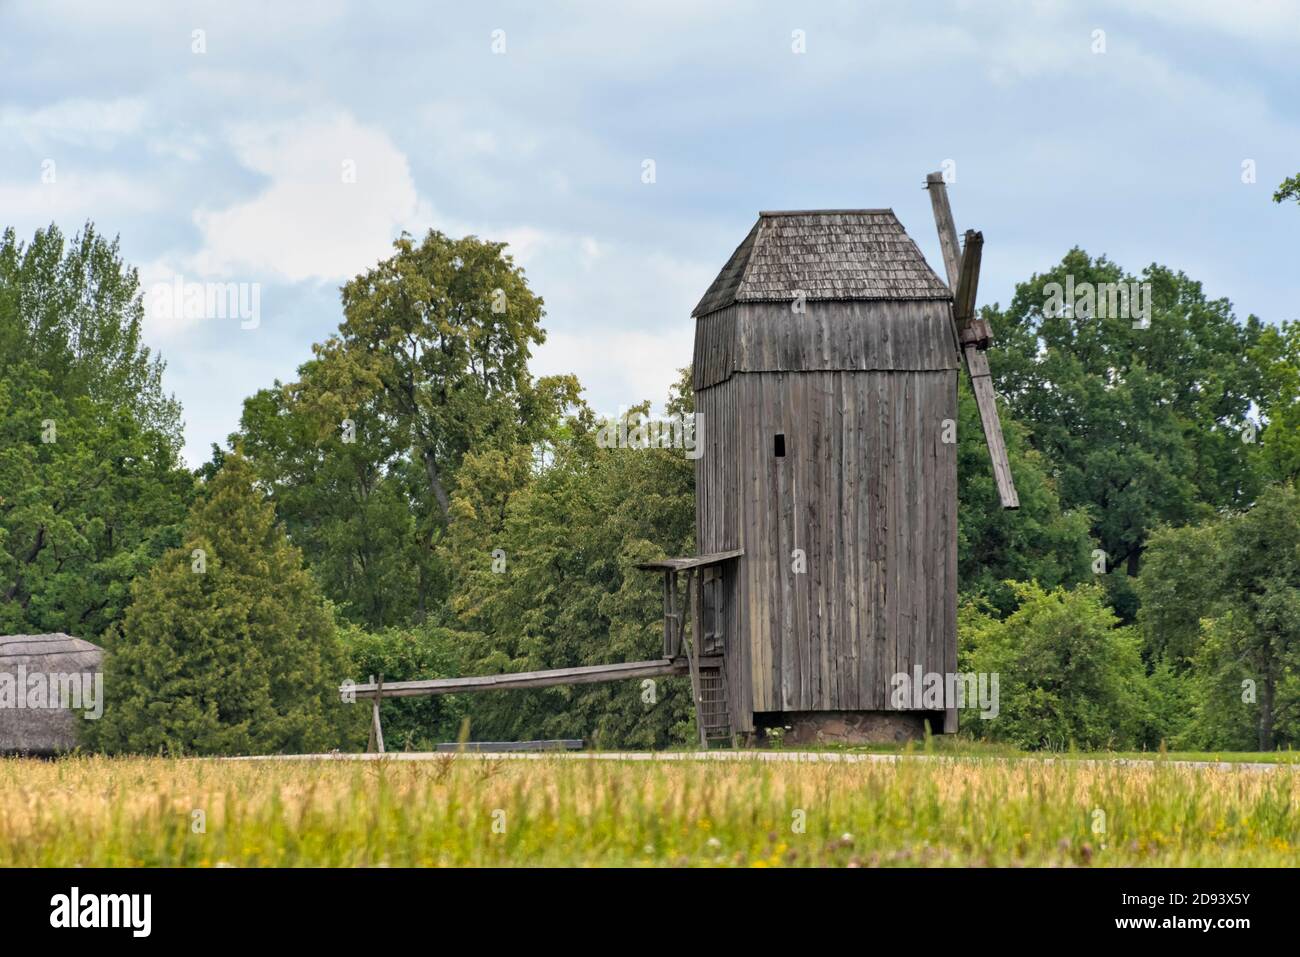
[{"x": 811, "y": 757}]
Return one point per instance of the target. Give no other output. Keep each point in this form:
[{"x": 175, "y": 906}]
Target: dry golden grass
[{"x": 465, "y": 811}]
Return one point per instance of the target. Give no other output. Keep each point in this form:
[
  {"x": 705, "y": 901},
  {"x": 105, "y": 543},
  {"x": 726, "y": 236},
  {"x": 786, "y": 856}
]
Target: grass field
[{"x": 460, "y": 811}]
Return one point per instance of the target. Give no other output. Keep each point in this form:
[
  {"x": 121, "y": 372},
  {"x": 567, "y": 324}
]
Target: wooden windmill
[{"x": 825, "y": 374}]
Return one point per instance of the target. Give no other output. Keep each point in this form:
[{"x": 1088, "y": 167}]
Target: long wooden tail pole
[
  {"x": 587, "y": 674},
  {"x": 963, "y": 280}
]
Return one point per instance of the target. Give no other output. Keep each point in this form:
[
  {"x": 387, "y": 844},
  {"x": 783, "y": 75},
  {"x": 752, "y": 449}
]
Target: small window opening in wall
[{"x": 778, "y": 445}]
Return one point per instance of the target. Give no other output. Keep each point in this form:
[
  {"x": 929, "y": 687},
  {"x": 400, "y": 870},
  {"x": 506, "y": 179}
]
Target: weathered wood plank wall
[
  {"x": 862, "y": 335},
  {"x": 717, "y": 529},
  {"x": 866, "y": 489},
  {"x": 715, "y": 354}
]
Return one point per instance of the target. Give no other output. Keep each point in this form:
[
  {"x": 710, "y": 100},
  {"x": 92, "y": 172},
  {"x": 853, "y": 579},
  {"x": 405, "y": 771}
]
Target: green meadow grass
[{"x": 455, "y": 811}]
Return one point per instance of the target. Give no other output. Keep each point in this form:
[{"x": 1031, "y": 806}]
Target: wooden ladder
[
  {"x": 712, "y": 711},
  {"x": 708, "y": 677}
]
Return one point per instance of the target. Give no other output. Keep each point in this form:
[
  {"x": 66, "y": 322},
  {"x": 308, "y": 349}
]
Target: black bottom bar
[{"x": 356, "y": 907}]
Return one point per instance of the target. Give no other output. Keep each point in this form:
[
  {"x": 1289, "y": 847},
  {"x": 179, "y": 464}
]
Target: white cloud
[
  {"x": 185, "y": 145},
  {"x": 524, "y": 243},
  {"x": 618, "y": 365},
  {"x": 99, "y": 124},
  {"x": 1274, "y": 22},
  {"x": 73, "y": 197},
  {"x": 309, "y": 222},
  {"x": 618, "y": 316}
]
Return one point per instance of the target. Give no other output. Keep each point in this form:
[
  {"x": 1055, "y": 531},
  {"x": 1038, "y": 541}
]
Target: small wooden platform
[{"x": 692, "y": 561}]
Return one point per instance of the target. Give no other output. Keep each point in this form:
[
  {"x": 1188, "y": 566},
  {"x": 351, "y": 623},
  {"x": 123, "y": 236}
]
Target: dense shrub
[
  {"x": 410, "y": 654},
  {"x": 1068, "y": 674}
]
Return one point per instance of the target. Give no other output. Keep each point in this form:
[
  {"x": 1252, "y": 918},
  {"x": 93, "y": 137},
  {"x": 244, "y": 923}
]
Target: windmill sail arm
[
  {"x": 971, "y": 334},
  {"x": 947, "y": 229},
  {"x": 968, "y": 277},
  {"x": 971, "y": 330},
  {"x": 977, "y": 364}
]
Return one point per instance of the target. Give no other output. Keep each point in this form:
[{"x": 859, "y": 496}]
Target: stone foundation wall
[{"x": 848, "y": 727}]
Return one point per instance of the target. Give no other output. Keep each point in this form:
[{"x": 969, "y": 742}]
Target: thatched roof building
[{"x": 39, "y": 676}]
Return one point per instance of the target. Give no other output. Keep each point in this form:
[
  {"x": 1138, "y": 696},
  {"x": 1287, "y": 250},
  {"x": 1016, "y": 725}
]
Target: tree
[
  {"x": 91, "y": 486},
  {"x": 1239, "y": 579},
  {"x": 1261, "y": 606},
  {"x": 1278, "y": 356},
  {"x": 444, "y": 329},
  {"x": 542, "y": 552},
  {"x": 429, "y": 364},
  {"x": 347, "y": 497},
  {"x": 1039, "y": 542},
  {"x": 87, "y": 502},
  {"x": 1289, "y": 189},
  {"x": 412, "y": 654},
  {"x": 1141, "y": 418},
  {"x": 75, "y": 310},
  {"x": 1068, "y": 674},
  {"x": 1178, "y": 588},
  {"x": 228, "y": 646}
]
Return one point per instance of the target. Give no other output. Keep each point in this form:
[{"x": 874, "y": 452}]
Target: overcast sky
[{"x": 226, "y": 165}]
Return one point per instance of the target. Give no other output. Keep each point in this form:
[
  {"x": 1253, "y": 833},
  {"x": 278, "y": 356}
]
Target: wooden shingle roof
[{"x": 840, "y": 254}]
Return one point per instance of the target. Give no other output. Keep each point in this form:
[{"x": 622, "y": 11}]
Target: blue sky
[{"x": 224, "y": 165}]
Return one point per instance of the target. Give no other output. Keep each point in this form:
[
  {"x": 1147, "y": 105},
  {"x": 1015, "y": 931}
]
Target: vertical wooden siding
[
  {"x": 867, "y": 491},
  {"x": 828, "y": 336},
  {"x": 718, "y": 521},
  {"x": 715, "y": 352}
]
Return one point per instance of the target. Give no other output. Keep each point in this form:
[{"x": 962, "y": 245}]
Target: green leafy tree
[
  {"x": 87, "y": 502},
  {"x": 75, "y": 310},
  {"x": 1227, "y": 595},
  {"x": 1278, "y": 356},
  {"x": 1289, "y": 189},
  {"x": 228, "y": 646},
  {"x": 543, "y": 559},
  {"x": 411, "y": 654},
  {"x": 429, "y": 365},
  {"x": 443, "y": 330},
  {"x": 1038, "y": 542},
  {"x": 1178, "y": 588},
  {"x": 1068, "y": 673},
  {"x": 346, "y": 495},
  {"x": 91, "y": 486},
  {"x": 1142, "y": 422},
  {"x": 1223, "y": 714}
]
